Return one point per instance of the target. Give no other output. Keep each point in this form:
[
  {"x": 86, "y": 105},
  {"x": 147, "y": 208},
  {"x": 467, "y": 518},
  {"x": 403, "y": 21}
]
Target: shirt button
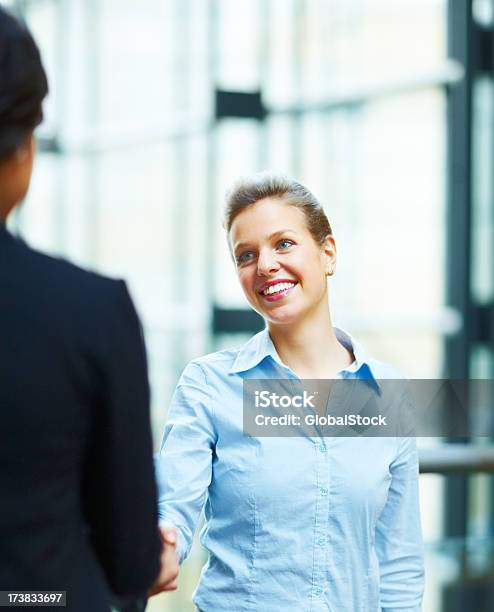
[
  {"x": 322, "y": 448},
  {"x": 321, "y": 541},
  {"x": 324, "y": 491},
  {"x": 318, "y": 591}
]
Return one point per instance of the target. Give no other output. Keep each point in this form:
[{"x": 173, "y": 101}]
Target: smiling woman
[
  {"x": 284, "y": 251},
  {"x": 283, "y": 248},
  {"x": 292, "y": 523}
]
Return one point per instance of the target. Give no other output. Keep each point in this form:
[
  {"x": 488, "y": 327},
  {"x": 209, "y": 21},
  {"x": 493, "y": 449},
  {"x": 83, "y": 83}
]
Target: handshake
[{"x": 167, "y": 578}]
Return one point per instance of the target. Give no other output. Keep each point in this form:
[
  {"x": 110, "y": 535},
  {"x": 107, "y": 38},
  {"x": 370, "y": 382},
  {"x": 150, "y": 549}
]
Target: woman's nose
[{"x": 267, "y": 264}]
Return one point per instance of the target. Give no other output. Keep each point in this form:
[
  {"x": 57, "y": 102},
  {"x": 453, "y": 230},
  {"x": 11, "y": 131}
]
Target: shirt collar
[
  {"x": 254, "y": 351},
  {"x": 261, "y": 346}
]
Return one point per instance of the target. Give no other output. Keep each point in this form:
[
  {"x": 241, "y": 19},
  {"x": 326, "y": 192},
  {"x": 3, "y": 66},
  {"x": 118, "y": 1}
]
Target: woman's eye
[
  {"x": 245, "y": 257},
  {"x": 285, "y": 243}
]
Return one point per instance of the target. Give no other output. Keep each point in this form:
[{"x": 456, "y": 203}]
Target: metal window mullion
[{"x": 458, "y": 256}]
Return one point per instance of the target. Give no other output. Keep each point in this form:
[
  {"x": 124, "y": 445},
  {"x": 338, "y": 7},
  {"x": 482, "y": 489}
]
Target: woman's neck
[{"x": 311, "y": 348}]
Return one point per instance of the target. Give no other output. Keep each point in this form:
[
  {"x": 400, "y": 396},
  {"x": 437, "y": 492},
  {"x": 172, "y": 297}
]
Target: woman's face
[{"x": 281, "y": 269}]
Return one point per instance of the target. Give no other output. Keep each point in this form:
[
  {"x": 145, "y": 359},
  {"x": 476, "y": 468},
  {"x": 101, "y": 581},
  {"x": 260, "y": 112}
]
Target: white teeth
[{"x": 277, "y": 288}]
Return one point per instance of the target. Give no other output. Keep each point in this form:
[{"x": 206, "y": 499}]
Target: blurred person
[
  {"x": 78, "y": 509},
  {"x": 292, "y": 523}
]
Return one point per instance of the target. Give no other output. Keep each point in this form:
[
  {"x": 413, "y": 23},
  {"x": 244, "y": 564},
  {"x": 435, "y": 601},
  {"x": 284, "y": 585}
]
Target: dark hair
[
  {"x": 23, "y": 84},
  {"x": 249, "y": 190}
]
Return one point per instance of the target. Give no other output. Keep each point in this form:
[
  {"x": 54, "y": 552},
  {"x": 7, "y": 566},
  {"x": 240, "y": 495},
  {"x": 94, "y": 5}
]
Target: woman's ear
[
  {"x": 329, "y": 246},
  {"x": 25, "y": 152}
]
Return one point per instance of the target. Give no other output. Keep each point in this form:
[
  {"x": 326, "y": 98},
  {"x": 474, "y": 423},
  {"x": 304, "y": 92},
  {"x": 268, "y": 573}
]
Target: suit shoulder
[{"x": 60, "y": 273}]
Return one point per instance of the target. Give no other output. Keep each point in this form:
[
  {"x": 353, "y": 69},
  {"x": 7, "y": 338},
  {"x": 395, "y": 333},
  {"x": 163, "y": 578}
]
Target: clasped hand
[{"x": 167, "y": 578}]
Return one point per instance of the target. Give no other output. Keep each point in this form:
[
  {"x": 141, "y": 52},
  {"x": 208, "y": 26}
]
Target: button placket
[{"x": 321, "y": 520}]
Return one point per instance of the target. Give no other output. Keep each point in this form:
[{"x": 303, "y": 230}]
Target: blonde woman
[{"x": 292, "y": 523}]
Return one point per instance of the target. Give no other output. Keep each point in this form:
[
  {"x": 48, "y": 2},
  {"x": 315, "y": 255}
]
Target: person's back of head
[{"x": 23, "y": 85}]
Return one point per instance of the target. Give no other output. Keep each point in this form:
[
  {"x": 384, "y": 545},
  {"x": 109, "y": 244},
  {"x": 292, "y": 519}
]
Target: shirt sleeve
[
  {"x": 184, "y": 464},
  {"x": 398, "y": 535}
]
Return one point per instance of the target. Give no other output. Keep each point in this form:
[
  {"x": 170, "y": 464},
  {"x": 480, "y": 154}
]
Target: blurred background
[{"x": 384, "y": 108}]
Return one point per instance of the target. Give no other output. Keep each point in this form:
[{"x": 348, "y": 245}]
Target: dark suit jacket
[{"x": 77, "y": 491}]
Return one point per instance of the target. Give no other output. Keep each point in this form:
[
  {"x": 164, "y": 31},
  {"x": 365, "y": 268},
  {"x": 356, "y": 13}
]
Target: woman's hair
[
  {"x": 23, "y": 84},
  {"x": 249, "y": 190}
]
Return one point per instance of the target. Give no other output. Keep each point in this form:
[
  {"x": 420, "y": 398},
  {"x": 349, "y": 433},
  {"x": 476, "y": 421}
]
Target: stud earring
[{"x": 330, "y": 272}]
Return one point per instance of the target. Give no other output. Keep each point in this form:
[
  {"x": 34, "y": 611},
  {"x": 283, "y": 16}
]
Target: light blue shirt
[{"x": 292, "y": 523}]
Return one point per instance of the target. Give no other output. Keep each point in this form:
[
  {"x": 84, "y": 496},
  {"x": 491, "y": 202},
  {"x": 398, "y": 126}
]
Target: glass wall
[{"x": 133, "y": 164}]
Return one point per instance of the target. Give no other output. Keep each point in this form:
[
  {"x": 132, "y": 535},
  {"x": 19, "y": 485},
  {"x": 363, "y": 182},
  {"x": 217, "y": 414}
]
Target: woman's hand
[{"x": 167, "y": 578}]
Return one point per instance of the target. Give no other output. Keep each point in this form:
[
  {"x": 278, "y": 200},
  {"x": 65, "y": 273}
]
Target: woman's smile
[{"x": 277, "y": 289}]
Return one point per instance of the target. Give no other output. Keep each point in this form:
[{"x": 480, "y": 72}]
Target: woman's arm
[
  {"x": 398, "y": 535},
  {"x": 184, "y": 463}
]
